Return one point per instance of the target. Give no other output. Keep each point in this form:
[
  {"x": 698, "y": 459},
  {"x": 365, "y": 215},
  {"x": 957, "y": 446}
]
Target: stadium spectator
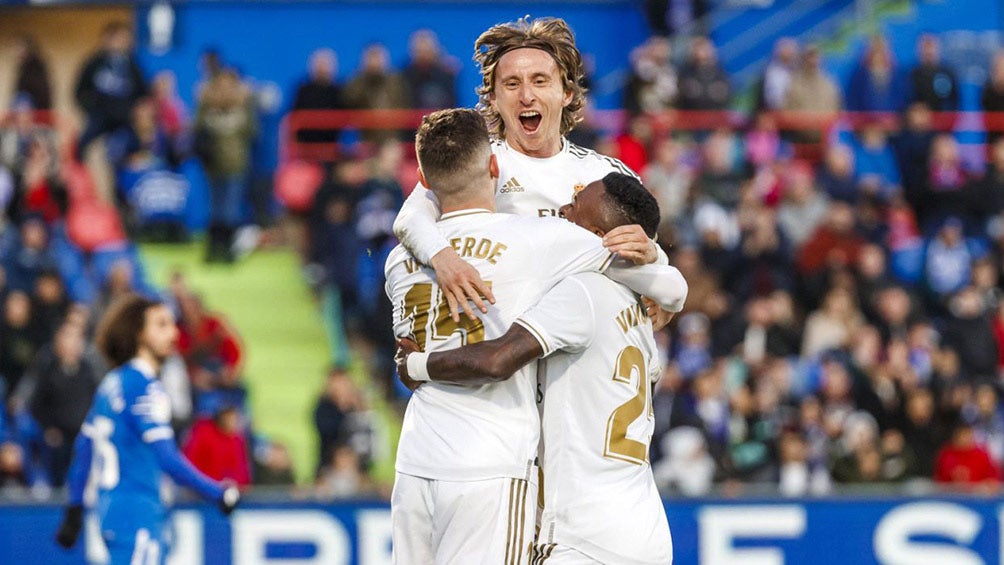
[
  {"x": 334, "y": 248},
  {"x": 49, "y": 303},
  {"x": 29, "y": 257},
  {"x": 948, "y": 261},
  {"x": 804, "y": 207},
  {"x": 342, "y": 477},
  {"x": 836, "y": 174},
  {"x": 764, "y": 146},
  {"x": 833, "y": 325},
  {"x": 213, "y": 354},
  {"x": 216, "y": 446},
  {"x": 377, "y": 87},
  {"x": 965, "y": 464},
  {"x": 109, "y": 84},
  {"x": 992, "y": 99},
  {"x": 273, "y": 465},
  {"x": 813, "y": 90},
  {"x": 225, "y": 126},
  {"x": 38, "y": 188},
  {"x": 65, "y": 380},
  {"x": 777, "y": 77},
  {"x": 947, "y": 192},
  {"x": 833, "y": 244},
  {"x": 912, "y": 146},
  {"x": 704, "y": 85},
  {"x": 988, "y": 192},
  {"x": 20, "y": 339},
  {"x": 932, "y": 82},
  {"x": 172, "y": 115},
  {"x": 764, "y": 264},
  {"x": 693, "y": 354},
  {"x": 633, "y": 143},
  {"x": 320, "y": 91},
  {"x": 652, "y": 86},
  {"x": 875, "y": 85},
  {"x": 430, "y": 76},
  {"x": 331, "y": 416},
  {"x": 32, "y": 74},
  {"x": 875, "y": 164},
  {"x": 968, "y": 331},
  {"x": 722, "y": 170},
  {"x": 669, "y": 179},
  {"x": 988, "y": 421}
]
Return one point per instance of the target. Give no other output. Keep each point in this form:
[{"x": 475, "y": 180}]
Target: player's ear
[
  {"x": 568, "y": 98},
  {"x": 422, "y": 180},
  {"x": 493, "y": 166}
]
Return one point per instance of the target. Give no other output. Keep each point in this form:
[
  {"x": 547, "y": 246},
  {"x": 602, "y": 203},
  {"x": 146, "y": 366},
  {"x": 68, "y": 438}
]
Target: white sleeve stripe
[
  {"x": 537, "y": 334},
  {"x": 154, "y": 434},
  {"x": 87, "y": 429}
]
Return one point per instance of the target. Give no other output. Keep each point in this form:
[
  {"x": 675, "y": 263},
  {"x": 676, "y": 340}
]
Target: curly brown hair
[
  {"x": 550, "y": 35},
  {"x": 118, "y": 332}
]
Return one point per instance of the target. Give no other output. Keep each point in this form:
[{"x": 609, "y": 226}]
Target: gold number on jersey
[
  {"x": 425, "y": 300},
  {"x": 618, "y": 445}
]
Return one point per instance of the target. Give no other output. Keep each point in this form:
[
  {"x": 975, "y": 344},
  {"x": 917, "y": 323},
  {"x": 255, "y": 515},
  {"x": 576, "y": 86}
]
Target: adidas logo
[{"x": 511, "y": 185}]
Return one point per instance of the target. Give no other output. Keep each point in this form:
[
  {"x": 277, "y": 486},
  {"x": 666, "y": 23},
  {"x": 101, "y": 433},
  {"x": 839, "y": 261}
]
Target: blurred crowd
[{"x": 844, "y": 323}]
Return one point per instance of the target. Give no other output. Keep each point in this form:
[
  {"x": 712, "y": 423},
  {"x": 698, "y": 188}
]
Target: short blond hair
[{"x": 550, "y": 35}]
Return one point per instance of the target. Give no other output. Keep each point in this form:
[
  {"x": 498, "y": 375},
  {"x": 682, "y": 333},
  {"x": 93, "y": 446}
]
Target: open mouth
[{"x": 530, "y": 121}]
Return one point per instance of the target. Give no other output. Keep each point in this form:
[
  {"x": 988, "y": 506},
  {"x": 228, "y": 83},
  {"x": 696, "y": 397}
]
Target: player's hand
[
  {"x": 631, "y": 243},
  {"x": 460, "y": 282},
  {"x": 659, "y": 316},
  {"x": 231, "y": 497},
  {"x": 69, "y": 530},
  {"x": 405, "y": 347}
]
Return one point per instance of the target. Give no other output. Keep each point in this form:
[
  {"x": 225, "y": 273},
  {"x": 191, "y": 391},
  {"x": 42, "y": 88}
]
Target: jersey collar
[
  {"x": 459, "y": 213},
  {"x": 564, "y": 149},
  {"x": 143, "y": 367}
]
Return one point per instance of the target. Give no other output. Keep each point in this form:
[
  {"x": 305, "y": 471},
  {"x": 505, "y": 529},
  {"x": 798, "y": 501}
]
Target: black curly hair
[{"x": 631, "y": 202}]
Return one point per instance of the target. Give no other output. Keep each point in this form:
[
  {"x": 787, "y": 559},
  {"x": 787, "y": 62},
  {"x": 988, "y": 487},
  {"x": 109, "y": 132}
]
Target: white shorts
[
  {"x": 489, "y": 522},
  {"x": 554, "y": 554}
]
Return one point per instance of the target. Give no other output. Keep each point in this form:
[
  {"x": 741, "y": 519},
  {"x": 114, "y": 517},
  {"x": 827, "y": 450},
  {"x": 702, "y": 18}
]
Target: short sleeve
[
  {"x": 558, "y": 321},
  {"x": 568, "y": 249},
  {"x": 149, "y": 409}
]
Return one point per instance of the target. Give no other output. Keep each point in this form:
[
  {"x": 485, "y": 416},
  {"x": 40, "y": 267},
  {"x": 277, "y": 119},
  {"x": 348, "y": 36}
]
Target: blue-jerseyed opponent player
[{"x": 126, "y": 443}]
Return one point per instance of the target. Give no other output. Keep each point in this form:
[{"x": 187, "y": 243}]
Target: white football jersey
[
  {"x": 600, "y": 360},
  {"x": 462, "y": 433},
  {"x": 527, "y": 186}
]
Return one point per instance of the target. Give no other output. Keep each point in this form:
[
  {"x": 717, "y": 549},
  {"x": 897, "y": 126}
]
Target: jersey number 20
[
  {"x": 426, "y": 300},
  {"x": 618, "y": 445}
]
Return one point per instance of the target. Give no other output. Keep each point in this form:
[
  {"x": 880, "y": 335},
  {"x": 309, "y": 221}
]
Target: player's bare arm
[{"x": 481, "y": 363}]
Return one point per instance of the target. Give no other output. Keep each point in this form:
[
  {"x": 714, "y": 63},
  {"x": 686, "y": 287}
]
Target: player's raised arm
[{"x": 415, "y": 226}]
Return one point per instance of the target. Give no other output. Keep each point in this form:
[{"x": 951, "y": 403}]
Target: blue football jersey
[{"x": 130, "y": 411}]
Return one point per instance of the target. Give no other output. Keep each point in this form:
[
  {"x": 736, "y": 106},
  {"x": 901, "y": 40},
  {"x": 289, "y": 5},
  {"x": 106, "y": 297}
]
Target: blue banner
[{"x": 959, "y": 531}]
